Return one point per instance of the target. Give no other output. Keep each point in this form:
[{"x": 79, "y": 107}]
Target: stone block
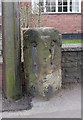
[{"x": 42, "y": 60}]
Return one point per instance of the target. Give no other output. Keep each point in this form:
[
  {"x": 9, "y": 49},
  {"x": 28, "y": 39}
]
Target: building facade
[{"x": 64, "y": 15}]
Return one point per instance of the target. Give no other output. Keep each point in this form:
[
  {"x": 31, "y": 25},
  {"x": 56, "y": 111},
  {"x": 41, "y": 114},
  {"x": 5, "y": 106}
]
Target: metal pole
[{"x": 11, "y": 50}]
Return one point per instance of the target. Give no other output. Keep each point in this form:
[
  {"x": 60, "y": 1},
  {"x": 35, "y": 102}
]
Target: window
[{"x": 57, "y": 6}]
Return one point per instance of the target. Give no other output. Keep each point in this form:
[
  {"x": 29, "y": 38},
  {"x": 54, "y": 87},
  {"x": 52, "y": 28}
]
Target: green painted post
[{"x": 11, "y": 50}]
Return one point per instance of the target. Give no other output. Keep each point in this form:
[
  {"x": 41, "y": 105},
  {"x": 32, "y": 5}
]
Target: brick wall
[
  {"x": 65, "y": 23},
  {"x": 82, "y": 17}
]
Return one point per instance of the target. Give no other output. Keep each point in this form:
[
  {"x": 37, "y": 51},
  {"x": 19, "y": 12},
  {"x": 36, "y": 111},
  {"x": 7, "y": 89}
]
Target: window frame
[{"x": 68, "y": 1}]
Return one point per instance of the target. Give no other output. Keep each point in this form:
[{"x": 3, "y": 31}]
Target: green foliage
[{"x": 72, "y": 41}]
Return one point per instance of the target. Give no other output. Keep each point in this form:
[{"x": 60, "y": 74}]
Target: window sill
[{"x": 50, "y": 13}]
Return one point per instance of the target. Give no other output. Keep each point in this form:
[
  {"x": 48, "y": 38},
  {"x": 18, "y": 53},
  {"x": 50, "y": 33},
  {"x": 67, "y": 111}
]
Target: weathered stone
[
  {"x": 67, "y": 64},
  {"x": 72, "y": 67},
  {"x": 42, "y": 60}
]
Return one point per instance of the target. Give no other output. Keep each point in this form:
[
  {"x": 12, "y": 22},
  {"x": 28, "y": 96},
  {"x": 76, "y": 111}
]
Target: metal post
[{"x": 11, "y": 50}]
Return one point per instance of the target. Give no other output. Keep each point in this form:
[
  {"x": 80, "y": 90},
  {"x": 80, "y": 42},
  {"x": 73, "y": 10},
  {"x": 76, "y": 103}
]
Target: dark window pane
[
  {"x": 41, "y": 3},
  {"x": 64, "y": 3},
  {"x": 70, "y": 3},
  {"x": 59, "y": 9},
  {"x": 59, "y": 2},
  {"x": 47, "y": 9},
  {"x": 47, "y": 2},
  {"x": 65, "y": 9},
  {"x": 53, "y": 9},
  {"x": 70, "y": 8}
]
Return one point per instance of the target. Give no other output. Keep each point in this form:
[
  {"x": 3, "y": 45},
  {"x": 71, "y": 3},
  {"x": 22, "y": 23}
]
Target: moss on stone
[{"x": 42, "y": 58}]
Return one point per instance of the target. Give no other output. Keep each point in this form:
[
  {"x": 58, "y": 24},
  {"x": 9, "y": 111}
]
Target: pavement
[{"x": 65, "y": 104}]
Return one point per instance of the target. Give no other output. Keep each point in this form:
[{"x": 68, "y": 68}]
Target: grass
[{"x": 72, "y": 41}]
